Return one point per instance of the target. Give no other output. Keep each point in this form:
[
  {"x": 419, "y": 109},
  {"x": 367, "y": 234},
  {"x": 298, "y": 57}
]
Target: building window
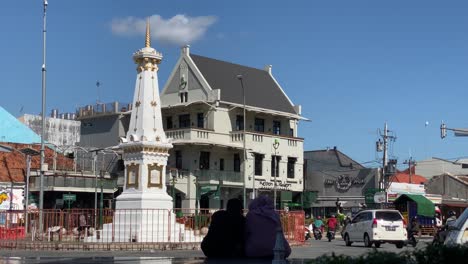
[
  {"x": 239, "y": 122},
  {"x": 169, "y": 124},
  {"x": 221, "y": 164},
  {"x": 291, "y": 165},
  {"x": 258, "y": 164},
  {"x": 276, "y": 127},
  {"x": 183, "y": 97},
  {"x": 204, "y": 160},
  {"x": 291, "y": 132},
  {"x": 178, "y": 159},
  {"x": 200, "y": 120},
  {"x": 236, "y": 163},
  {"x": 184, "y": 121},
  {"x": 275, "y": 165},
  {"x": 259, "y": 125}
]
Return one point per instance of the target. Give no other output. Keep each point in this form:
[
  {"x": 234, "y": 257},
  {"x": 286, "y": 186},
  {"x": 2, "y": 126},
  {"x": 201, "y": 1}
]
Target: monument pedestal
[
  {"x": 135, "y": 199},
  {"x": 144, "y": 217}
]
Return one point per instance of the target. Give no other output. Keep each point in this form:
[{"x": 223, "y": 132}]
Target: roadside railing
[{"x": 129, "y": 229}]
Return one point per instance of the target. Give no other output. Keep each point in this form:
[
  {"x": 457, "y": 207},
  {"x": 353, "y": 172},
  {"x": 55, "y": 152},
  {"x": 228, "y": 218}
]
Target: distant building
[
  {"x": 14, "y": 131},
  {"x": 454, "y": 190},
  {"x": 102, "y": 125},
  {"x": 434, "y": 166},
  {"x": 58, "y": 131},
  {"x": 63, "y": 176},
  {"x": 332, "y": 175}
]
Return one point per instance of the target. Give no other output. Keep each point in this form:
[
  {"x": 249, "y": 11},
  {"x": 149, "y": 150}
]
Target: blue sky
[{"x": 352, "y": 65}]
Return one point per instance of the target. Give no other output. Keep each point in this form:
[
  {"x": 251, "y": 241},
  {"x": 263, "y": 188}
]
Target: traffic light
[{"x": 443, "y": 130}]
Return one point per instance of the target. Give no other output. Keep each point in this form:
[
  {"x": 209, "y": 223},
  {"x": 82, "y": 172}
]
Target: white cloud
[{"x": 179, "y": 29}]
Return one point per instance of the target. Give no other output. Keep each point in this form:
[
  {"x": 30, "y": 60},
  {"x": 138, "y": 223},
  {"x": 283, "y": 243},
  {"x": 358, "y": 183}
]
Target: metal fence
[{"x": 89, "y": 229}]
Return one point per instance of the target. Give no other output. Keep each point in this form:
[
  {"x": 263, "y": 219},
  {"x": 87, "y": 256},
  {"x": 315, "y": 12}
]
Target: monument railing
[{"x": 87, "y": 229}]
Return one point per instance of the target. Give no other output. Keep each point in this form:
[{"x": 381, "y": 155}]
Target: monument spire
[
  {"x": 146, "y": 147},
  {"x": 148, "y": 34}
]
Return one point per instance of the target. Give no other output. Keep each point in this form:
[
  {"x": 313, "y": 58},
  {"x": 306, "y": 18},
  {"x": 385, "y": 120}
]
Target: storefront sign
[
  {"x": 344, "y": 182},
  {"x": 271, "y": 185}
]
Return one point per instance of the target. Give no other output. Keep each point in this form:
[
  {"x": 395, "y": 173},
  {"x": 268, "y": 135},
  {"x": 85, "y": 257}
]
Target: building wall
[
  {"x": 103, "y": 131},
  {"x": 333, "y": 175},
  {"x": 447, "y": 186},
  {"x": 432, "y": 167},
  {"x": 61, "y": 132}
]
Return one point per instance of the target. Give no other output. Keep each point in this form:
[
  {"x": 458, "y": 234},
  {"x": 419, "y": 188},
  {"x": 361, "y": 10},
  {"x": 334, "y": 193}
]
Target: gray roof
[
  {"x": 330, "y": 159},
  {"x": 260, "y": 88}
]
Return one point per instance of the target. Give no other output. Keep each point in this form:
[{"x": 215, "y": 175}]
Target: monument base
[
  {"x": 134, "y": 199},
  {"x": 144, "y": 217}
]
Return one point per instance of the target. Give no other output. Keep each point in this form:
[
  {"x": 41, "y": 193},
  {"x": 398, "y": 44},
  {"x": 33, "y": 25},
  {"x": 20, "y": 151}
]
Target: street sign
[{"x": 69, "y": 197}]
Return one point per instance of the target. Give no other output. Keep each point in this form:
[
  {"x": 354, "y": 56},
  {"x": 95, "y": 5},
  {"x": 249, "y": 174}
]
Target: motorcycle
[
  {"x": 330, "y": 235},
  {"x": 307, "y": 233},
  {"x": 412, "y": 238},
  {"x": 317, "y": 234}
]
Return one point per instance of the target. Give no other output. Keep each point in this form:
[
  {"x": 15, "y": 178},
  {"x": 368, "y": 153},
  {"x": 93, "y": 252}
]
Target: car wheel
[
  {"x": 347, "y": 241},
  {"x": 399, "y": 244},
  {"x": 367, "y": 242},
  {"x": 377, "y": 244}
]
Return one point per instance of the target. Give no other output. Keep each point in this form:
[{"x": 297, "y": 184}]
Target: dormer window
[{"x": 183, "y": 97}]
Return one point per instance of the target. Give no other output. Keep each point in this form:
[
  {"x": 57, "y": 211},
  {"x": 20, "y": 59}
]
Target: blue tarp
[{"x": 12, "y": 130}]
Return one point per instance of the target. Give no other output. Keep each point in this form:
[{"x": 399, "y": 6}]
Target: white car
[
  {"x": 458, "y": 231},
  {"x": 376, "y": 227}
]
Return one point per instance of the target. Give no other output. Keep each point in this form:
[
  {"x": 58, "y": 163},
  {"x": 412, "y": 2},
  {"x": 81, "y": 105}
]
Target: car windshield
[{"x": 388, "y": 216}]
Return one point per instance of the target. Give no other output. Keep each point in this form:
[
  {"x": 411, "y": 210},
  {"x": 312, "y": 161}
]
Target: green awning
[{"x": 424, "y": 205}]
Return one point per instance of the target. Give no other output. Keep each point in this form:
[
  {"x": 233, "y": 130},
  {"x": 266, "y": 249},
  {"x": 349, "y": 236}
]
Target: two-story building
[{"x": 203, "y": 105}]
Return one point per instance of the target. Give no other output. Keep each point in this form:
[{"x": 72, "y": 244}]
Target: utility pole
[
  {"x": 410, "y": 163},
  {"x": 382, "y": 146}
]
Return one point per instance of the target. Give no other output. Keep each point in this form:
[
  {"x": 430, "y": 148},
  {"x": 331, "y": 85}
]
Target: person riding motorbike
[
  {"x": 413, "y": 230},
  {"x": 318, "y": 223},
  {"x": 347, "y": 221},
  {"x": 452, "y": 217},
  {"x": 331, "y": 224},
  {"x": 439, "y": 237}
]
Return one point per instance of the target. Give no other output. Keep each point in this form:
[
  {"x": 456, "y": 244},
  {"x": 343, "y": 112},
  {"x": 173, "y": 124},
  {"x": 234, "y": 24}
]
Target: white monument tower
[
  {"x": 146, "y": 147},
  {"x": 144, "y": 209}
]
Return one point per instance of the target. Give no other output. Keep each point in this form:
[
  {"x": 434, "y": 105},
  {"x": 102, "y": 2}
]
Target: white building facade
[{"x": 203, "y": 115}]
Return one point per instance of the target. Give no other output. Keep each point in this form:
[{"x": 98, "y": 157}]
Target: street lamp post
[
  {"x": 275, "y": 169},
  {"x": 244, "y": 165},
  {"x": 95, "y": 186},
  {"x": 41, "y": 190}
]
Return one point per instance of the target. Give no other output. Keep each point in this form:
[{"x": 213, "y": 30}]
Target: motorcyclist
[
  {"x": 331, "y": 224},
  {"x": 347, "y": 221},
  {"x": 414, "y": 225},
  {"x": 318, "y": 223},
  {"x": 442, "y": 234},
  {"x": 414, "y": 229},
  {"x": 452, "y": 217}
]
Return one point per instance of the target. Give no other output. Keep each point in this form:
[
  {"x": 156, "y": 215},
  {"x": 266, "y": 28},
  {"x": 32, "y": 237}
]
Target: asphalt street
[
  {"x": 310, "y": 250},
  {"x": 315, "y": 248}
]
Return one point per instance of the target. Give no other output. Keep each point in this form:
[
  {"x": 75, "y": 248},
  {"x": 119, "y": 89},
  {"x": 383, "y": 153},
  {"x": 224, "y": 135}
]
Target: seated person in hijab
[
  {"x": 225, "y": 238},
  {"x": 261, "y": 224}
]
